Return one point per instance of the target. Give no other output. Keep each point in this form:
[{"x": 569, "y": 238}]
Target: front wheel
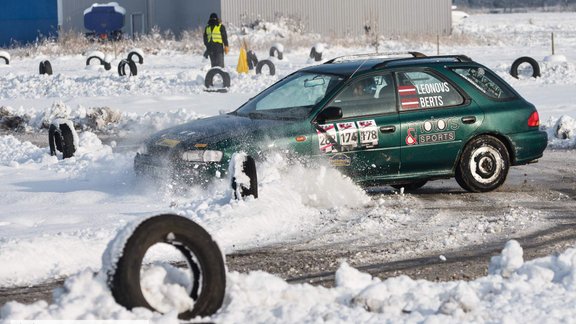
[
  {"x": 483, "y": 165},
  {"x": 244, "y": 177}
]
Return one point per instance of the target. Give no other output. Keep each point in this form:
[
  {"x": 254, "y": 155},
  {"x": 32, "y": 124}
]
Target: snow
[{"x": 58, "y": 216}]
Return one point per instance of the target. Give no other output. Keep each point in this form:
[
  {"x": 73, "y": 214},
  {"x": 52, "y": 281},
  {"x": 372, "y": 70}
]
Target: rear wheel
[{"x": 483, "y": 165}]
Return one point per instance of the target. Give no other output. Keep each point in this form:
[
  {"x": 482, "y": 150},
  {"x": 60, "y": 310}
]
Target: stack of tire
[
  {"x": 134, "y": 56},
  {"x": 276, "y": 53},
  {"x": 62, "y": 137},
  {"x": 45, "y": 67}
]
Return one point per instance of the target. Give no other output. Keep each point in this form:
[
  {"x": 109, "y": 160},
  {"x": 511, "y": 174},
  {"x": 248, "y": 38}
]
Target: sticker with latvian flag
[
  {"x": 410, "y": 103},
  {"x": 408, "y": 90}
]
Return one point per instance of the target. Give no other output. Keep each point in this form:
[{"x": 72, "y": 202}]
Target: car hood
[{"x": 213, "y": 130}]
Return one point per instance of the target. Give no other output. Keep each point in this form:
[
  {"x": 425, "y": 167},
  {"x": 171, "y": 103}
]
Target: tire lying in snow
[
  {"x": 483, "y": 165},
  {"x": 45, "y": 67},
  {"x": 276, "y": 51},
  {"x": 525, "y": 59},
  {"x": 6, "y": 57},
  {"x": 61, "y": 138},
  {"x": 314, "y": 54},
  {"x": 269, "y": 64},
  {"x": 138, "y": 55},
  {"x": 212, "y": 73},
  {"x": 244, "y": 179},
  {"x": 202, "y": 254},
  {"x": 107, "y": 65},
  {"x": 131, "y": 65}
]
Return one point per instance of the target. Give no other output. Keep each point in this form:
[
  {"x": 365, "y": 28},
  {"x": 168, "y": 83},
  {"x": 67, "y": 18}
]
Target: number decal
[
  {"x": 368, "y": 133},
  {"x": 326, "y": 145}
]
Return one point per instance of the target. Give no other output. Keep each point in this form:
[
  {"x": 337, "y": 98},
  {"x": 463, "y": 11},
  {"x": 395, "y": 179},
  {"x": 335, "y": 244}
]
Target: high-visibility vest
[{"x": 214, "y": 35}]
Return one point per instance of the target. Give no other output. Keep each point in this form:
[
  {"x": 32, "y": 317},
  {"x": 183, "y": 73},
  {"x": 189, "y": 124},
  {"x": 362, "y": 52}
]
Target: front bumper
[{"x": 182, "y": 171}]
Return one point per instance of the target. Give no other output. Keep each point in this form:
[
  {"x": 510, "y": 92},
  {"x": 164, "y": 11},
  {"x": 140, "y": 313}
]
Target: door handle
[
  {"x": 469, "y": 119},
  {"x": 387, "y": 129}
]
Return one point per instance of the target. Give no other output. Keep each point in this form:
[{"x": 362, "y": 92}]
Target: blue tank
[{"x": 105, "y": 18}]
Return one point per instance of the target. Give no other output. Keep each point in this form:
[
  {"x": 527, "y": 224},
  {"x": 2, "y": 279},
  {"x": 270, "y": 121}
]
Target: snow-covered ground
[{"x": 57, "y": 216}]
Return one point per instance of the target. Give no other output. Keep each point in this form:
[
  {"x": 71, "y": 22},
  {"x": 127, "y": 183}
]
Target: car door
[
  {"x": 365, "y": 142},
  {"x": 436, "y": 120}
]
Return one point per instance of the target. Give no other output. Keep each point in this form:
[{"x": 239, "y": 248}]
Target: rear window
[{"x": 486, "y": 82}]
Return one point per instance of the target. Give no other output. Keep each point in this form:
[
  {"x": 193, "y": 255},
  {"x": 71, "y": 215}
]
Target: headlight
[{"x": 202, "y": 156}]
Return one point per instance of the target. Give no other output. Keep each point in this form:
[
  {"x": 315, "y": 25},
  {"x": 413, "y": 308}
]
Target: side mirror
[{"x": 330, "y": 113}]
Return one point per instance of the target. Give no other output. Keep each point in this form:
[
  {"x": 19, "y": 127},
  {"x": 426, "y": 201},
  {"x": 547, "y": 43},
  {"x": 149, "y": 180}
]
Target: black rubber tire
[
  {"x": 252, "y": 60},
  {"x": 193, "y": 241},
  {"x": 61, "y": 138},
  {"x": 315, "y": 55},
  {"x": 88, "y": 60},
  {"x": 6, "y": 60},
  {"x": 275, "y": 52},
  {"x": 410, "y": 186},
  {"x": 131, "y": 65},
  {"x": 267, "y": 63},
  {"x": 45, "y": 67},
  {"x": 209, "y": 81},
  {"x": 54, "y": 139},
  {"x": 140, "y": 58},
  {"x": 522, "y": 60},
  {"x": 249, "y": 169},
  {"x": 483, "y": 165}
]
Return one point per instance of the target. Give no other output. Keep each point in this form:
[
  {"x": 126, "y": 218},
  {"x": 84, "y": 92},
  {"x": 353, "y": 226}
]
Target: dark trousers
[{"x": 216, "y": 58}]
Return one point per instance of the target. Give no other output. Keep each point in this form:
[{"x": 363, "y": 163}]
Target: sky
[{"x": 58, "y": 216}]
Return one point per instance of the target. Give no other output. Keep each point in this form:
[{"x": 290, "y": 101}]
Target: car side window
[
  {"x": 422, "y": 90},
  {"x": 367, "y": 96},
  {"x": 485, "y": 81}
]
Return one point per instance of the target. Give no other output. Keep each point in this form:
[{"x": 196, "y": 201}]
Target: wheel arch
[{"x": 501, "y": 137}]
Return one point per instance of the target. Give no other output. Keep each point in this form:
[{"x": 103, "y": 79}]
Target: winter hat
[{"x": 213, "y": 16}]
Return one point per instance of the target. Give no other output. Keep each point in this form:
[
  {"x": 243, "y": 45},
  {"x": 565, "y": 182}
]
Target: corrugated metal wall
[
  {"x": 346, "y": 17},
  {"x": 327, "y": 17}
]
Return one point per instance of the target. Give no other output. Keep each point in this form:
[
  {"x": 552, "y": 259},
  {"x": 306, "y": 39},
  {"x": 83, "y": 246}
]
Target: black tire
[
  {"x": 54, "y": 139},
  {"x": 410, "y": 186},
  {"x": 315, "y": 55},
  {"x": 252, "y": 60},
  {"x": 45, "y": 67},
  {"x": 267, "y": 63},
  {"x": 522, "y": 60},
  {"x": 209, "y": 81},
  {"x": 483, "y": 165},
  {"x": 6, "y": 60},
  {"x": 122, "y": 68},
  {"x": 107, "y": 65},
  {"x": 100, "y": 60},
  {"x": 132, "y": 54},
  {"x": 249, "y": 169},
  {"x": 61, "y": 138},
  {"x": 275, "y": 52},
  {"x": 197, "y": 246}
]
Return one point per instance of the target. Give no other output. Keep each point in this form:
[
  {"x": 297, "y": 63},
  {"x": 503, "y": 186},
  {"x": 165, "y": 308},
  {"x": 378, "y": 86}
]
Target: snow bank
[{"x": 542, "y": 290}]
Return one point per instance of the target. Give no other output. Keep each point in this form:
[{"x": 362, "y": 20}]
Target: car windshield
[{"x": 292, "y": 98}]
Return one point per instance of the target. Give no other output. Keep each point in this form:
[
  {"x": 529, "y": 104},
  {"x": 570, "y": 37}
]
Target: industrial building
[{"x": 328, "y": 17}]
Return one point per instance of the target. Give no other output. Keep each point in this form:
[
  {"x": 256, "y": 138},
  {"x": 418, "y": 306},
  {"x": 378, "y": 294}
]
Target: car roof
[{"x": 357, "y": 64}]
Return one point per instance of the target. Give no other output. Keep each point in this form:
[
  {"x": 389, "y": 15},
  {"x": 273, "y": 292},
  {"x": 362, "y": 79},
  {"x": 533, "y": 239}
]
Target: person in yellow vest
[{"x": 215, "y": 40}]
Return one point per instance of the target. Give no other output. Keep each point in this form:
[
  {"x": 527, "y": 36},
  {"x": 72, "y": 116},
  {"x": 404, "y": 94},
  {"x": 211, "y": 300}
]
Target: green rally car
[{"x": 392, "y": 119}]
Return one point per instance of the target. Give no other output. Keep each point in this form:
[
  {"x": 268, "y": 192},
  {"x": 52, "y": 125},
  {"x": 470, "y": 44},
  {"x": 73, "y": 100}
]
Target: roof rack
[
  {"x": 431, "y": 59},
  {"x": 355, "y": 57}
]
